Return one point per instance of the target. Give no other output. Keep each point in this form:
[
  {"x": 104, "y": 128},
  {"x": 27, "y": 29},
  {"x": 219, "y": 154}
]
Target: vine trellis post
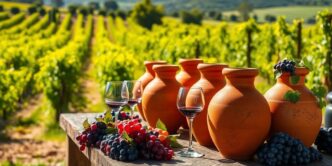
[
  {"x": 299, "y": 39},
  {"x": 249, "y": 38}
]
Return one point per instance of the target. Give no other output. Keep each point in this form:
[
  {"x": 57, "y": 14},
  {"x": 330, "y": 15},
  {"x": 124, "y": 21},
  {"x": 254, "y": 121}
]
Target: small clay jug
[
  {"x": 159, "y": 98},
  {"x": 211, "y": 82},
  {"x": 188, "y": 76},
  {"x": 301, "y": 119},
  {"x": 239, "y": 117},
  {"x": 146, "y": 78}
]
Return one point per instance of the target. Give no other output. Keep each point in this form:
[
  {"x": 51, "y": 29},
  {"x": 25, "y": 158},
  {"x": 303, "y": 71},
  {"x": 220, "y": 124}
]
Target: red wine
[
  {"x": 114, "y": 104},
  {"x": 133, "y": 102},
  {"x": 190, "y": 112}
]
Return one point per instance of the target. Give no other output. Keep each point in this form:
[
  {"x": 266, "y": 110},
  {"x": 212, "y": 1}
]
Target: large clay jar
[
  {"x": 302, "y": 119},
  {"x": 159, "y": 98},
  {"x": 239, "y": 117},
  {"x": 146, "y": 78},
  {"x": 211, "y": 82},
  {"x": 188, "y": 76},
  {"x": 189, "y": 73}
]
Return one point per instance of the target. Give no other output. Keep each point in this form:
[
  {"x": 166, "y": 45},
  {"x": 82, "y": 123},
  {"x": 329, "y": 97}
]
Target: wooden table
[{"x": 71, "y": 123}]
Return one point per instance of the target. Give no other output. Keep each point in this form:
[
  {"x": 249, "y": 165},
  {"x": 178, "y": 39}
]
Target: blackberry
[
  {"x": 282, "y": 149},
  {"x": 118, "y": 149},
  {"x": 285, "y": 66}
]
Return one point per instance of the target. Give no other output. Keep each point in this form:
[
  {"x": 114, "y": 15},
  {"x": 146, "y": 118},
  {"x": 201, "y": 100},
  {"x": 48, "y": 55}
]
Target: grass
[{"x": 290, "y": 12}]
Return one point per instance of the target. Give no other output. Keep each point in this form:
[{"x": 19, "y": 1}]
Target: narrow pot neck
[
  {"x": 165, "y": 71},
  {"x": 190, "y": 65},
  {"x": 240, "y": 77},
  {"x": 240, "y": 81},
  {"x": 190, "y": 69},
  {"x": 149, "y": 66},
  {"x": 285, "y": 78},
  {"x": 211, "y": 71},
  {"x": 166, "y": 75}
]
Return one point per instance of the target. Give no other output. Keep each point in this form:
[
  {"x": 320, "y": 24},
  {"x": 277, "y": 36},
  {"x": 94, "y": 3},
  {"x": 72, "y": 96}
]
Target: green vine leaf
[
  {"x": 277, "y": 74},
  {"x": 292, "y": 96},
  {"x": 174, "y": 142},
  {"x": 107, "y": 117},
  {"x": 99, "y": 119},
  {"x": 126, "y": 137},
  {"x": 294, "y": 79},
  {"x": 86, "y": 124},
  {"x": 110, "y": 130},
  {"x": 161, "y": 125}
]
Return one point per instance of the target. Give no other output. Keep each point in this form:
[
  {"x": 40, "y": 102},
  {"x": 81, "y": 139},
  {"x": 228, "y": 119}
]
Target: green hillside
[{"x": 290, "y": 12}]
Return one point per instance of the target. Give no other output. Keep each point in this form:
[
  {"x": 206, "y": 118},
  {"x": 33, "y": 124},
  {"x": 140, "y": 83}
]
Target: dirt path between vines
[
  {"x": 89, "y": 86},
  {"x": 23, "y": 144},
  {"x": 20, "y": 144}
]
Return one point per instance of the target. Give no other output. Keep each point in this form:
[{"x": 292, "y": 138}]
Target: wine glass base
[{"x": 190, "y": 153}]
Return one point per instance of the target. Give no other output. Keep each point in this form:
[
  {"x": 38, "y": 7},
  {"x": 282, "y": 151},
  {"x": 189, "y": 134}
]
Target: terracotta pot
[
  {"x": 146, "y": 78},
  {"x": 239, "y": 117},
  {"x": 302, "y": 119},
  {"x": 211, "y": 82},
  {"x": 159, "y": 98},
  {"x": 189, "y": 73},
  {"x": 188, "y": 76}
]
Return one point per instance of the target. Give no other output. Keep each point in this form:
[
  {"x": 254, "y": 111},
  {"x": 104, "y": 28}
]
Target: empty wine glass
[
  {"x": 190, "y": 108},
  {"x": 135, "y": 94},
  {"x": 116, "y": 96}
]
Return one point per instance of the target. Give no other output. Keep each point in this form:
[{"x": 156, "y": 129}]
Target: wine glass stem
[
  {"x": 116, "y": 113},
  {"x": 132, "y": 109},
  {"x": 190, "y": 148}
]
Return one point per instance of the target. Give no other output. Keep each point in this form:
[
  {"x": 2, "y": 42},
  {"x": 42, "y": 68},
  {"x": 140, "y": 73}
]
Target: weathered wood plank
[
  {"x": 72, "y": 124},
  {"x": 74, "y": 155}
]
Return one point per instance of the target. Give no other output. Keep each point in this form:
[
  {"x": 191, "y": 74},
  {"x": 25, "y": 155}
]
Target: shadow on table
[{"x": 152, "y": 162}]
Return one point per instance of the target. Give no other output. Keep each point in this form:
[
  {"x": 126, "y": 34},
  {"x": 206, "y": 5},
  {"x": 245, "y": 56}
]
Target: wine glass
[
  {"x": 116, "y": 96},
  {"x": 190, "y": 108},
  {"x": 135, "y": 94}
]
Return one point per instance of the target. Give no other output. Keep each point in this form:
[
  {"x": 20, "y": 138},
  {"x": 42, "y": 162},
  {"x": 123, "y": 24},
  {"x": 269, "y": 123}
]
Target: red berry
[
  {"x": 127, "y": 128},
  {"x": 82, "y": 147},
  {"x": 160, "y": 151},
  {"x": 138, "y": 140},
  {"x": 135, "y": 120},
  {"x": 142, "y": 130},
  {"x": 158, "y": 157},
  {"x": 94, "y": 127},
  {"x": 120, "y": 126},
  {"x": 137, "y": 127},
  {"x": 169, "y": 156},
  {"x": 171, "y": 151},
  {"x": 78, "y": 138},
  {"x": 153, "y": 137},
  {"x": 155, "y": 148},
  {"x": 84, "y": 137},
  {"x": 124, "y": 115},
  {"x": 131, "y": 123},
  {"x": 149, "y": 144}
]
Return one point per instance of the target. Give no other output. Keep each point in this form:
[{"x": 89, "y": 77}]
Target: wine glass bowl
[
  {"x": 116, "y": 96},
  {"x": 190, "y": 102},
  {"x": 135, "y": 91}
]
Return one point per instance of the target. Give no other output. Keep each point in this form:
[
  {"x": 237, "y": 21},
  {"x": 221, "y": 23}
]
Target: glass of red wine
[
  {"x": 116, "y": 96},
  {"x": 135, "y": 94},
  {"x": 190, "y": 108}
]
